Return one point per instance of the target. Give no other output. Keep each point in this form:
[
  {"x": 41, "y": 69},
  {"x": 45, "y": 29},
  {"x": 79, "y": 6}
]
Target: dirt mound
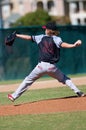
[{"x": 45, "y": 106}]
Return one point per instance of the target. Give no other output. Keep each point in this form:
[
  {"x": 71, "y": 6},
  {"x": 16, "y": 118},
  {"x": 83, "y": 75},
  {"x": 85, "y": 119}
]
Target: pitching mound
[{"x": 45, "y": 106}]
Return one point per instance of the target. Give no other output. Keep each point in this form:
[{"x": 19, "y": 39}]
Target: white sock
[{"x": 70, "y": 84}]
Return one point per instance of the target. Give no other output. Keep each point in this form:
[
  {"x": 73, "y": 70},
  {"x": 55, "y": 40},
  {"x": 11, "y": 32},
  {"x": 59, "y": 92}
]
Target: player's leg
[
  {"x": 34, "y": 75},
  {"x": 69, "y": 83},
  {"x": 57, "y": 74}
]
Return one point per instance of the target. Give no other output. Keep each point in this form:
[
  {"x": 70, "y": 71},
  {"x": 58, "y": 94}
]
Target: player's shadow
[{"x": 47, "y": 100}]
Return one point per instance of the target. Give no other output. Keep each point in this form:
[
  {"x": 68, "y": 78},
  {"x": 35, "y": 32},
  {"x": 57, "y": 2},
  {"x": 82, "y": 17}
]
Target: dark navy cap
[{"x": 51, "y": 26}]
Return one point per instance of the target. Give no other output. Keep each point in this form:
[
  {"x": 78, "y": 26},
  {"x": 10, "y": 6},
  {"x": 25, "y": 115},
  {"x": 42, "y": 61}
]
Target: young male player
[{"x": 49, "y": 45}]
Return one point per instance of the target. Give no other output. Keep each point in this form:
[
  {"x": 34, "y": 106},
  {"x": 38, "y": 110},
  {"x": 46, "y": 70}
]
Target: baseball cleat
[
  {"x": 10, "y": 97},
  {"x": 80, "y": 94}
]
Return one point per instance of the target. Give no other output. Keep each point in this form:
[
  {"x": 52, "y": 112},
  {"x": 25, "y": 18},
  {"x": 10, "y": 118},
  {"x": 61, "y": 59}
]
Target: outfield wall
[{"x": 17, "y": 61}]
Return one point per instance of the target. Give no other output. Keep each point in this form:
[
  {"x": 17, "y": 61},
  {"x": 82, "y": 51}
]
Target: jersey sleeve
[
  {"x": 58, "y": 41},
  {"x": 37, "y": 38}
]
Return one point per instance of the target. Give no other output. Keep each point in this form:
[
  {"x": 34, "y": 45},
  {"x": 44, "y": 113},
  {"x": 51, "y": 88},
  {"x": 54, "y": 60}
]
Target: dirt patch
[
  {"x": 66, "y": 104},
  {"x": 44, "y": 84}
]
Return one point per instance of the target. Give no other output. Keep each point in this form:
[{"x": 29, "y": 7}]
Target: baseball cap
[{"x": 51, "y": 26}]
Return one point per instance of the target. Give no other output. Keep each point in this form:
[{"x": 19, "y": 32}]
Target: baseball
[{"x": 79, "y": 41}]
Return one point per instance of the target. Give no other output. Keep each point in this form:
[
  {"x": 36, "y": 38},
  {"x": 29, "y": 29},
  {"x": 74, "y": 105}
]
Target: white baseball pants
[{"x": 41, "y": 69}]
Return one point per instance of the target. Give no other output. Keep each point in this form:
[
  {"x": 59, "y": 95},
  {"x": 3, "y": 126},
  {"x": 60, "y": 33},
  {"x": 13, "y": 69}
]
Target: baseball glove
[{"x": 9, "y": 40}]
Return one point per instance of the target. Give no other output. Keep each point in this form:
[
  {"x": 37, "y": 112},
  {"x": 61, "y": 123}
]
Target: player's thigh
[
  {"x": 36, "y": 73},
  {"x": 58, "y": 74}
]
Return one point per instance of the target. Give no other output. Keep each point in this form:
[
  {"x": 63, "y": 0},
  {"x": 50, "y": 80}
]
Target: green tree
[{"x": 39, "y": 17}]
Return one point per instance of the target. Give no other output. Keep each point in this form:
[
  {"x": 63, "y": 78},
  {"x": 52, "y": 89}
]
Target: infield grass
[{"x": 54, "y": 121}]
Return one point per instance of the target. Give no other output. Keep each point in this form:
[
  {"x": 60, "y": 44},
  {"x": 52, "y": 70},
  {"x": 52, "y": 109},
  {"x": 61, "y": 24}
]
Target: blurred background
[
  {"x": 27, "y": 16},
  {"x": 64, "y": 11}
]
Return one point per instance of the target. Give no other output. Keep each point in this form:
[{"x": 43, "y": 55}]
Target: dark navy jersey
[{"x": 49, "y": 47}]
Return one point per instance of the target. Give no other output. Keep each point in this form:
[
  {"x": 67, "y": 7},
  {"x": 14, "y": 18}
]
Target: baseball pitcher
[{"x": 49, "y": 45}]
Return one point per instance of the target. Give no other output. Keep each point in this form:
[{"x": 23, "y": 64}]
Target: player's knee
[
  {"x": 63, "y": 80},
  {"x": 28, "y": 80}
]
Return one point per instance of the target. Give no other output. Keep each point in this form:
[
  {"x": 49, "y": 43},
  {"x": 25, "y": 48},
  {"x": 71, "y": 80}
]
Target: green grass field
[{"x": 54, "y": 121}]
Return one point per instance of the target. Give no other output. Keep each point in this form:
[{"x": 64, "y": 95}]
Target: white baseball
[{"x": 79, "y": 41}]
